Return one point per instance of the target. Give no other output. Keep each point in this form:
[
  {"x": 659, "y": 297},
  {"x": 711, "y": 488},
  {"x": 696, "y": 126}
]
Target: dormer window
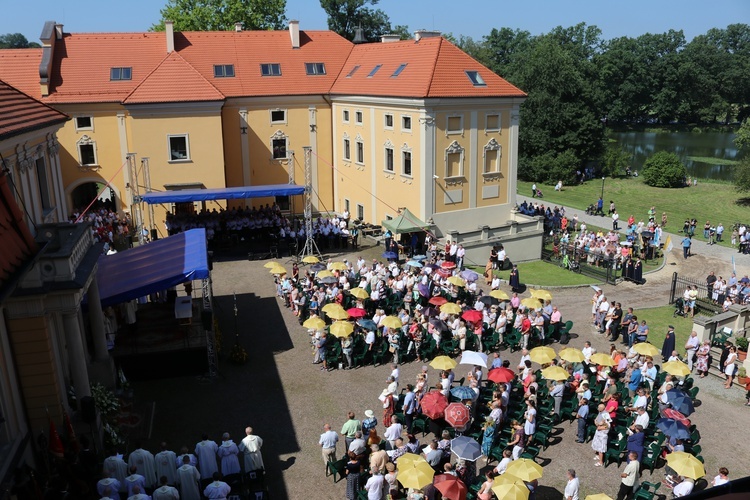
[
  {"x": 223, "y": 70},
  {"x": 315, "y": 68},
  {"x": 374, "y": 70},
  {"x": 124, "y": 73},
  {"x": 476, "y": 78},
  {"x": 270, "y": 69}
]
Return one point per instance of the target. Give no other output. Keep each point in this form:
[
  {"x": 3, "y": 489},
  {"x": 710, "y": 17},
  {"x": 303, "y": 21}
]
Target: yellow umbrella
[
  {"x": 457, "y": 281},
  {"x": 391, "y": 322},
  {"x": 646, "y": 349},
  {"x": 310, "y": 259},
  {"x": 450, "y": 308},
  {"x": 278, "y": 270},
  {"x": 542, "y": 355},
  {"x": 602, "y": 359},
  {"x": 686, "y": 465},
  {"x": 541, "y": 294},
  {"x": 571, "y": 354},
  {"x": 524, "y": 469},
  {"x": 332, "y": 306},
  {"x": 415, "y": 474},
  {"x": 599, "y": 496},
  {"x": 442, "y": 363},
  {"x": 677, "y": 368},
  {"x": 410, "y": 458},
  {"x": 499, "y": 295},
  {"x": 341, "y": 329},
  {"x": 338, "y": 266},
  {"x": 269, "y": 265},
  {"x": 360, "y": 293},
  {"x": 555, "y": 373},
  {"x": 324, "y": 274},
  {"x": 509, "y": 487},
  {"x": 338, "y": 314},
  {"x": 314, "y": 323},
  {"x": 531, "y": 302}
]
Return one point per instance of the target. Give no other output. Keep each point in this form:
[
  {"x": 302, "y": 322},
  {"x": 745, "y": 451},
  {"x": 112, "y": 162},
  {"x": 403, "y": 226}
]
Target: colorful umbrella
[
  {"x": 680, "y": 401},
  {"x": 338, "y": 314},
  {"x": 524, "y": 469},
  {"x": 466, "y": 448},
  {"x": 437, "y": 301},
  {"x": 338, "y": 266},
  {"x": 457, "y": 415},
  {"x": 331, "y": 306},
  {"x": 675, "y": 415},
  {"x": 572, "y": 355},
  {"x": 541, "y": 294},
  {"x": 457, "y": 281},
  {"x": 555, "y": 373},
  {"x": 390, "y": 255},
  {"x": 542, "y": 355},
  {"x": 270, "y": 264},
  {"x": 602, "y": 359},
  {"x": 278, "y": 270},
  {"x": 314, "y": 323},
  {"x": 450, "y": 486},
  {"x": 473, "y": 358},
  {"x": 445, "y": 273},
  {"x": 499, "y": 295},
  {"x": 531, "y": 303},
  {"x": 419, "y": 257},
  {"x": 472, "y": 315},
  {"x": 328, "y": 280},
  {"x": 434, "y": 404},
  {"x": 463, "y": 392},
  {"x": 414, "y": 263},
  {"x": 686, "y": 465},
  {"x": 341, "y": 329},
  {"x": 677, "y": 368},
  {"x": 410, "y": 458},
  {"x": 646, "y": 349},
  {"x": 423, "y": 289},
  {"x": 414, "y": 474},
  {"x": 508, "y": 487},
  {"x": 359, "y": 293},
  {"x": 392, "y": 322},
  {"x": 325, "y": 274},
  {"x": 356, "y": 312},
  {"x": 310, "y": 259},
  {"x": 448, "y": 265},
  {"x": 437, "y": 323},
  {"x": 450, "y": 308},
  {"x": 673, "y": 428},
  {"x": 443, "y": 363},
  {"x": 367, "y": 324},
  {"x": 501, "y": 375},
  {"x": 469, "y": 275}
]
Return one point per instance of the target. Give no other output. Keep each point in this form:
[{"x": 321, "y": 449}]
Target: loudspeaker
[
  {"x": 88, "y": 410},
  {"x": 207, "y": 318}
]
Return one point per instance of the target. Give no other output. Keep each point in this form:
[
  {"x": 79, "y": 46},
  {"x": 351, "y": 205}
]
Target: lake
[{"x": 718, "y": 145}]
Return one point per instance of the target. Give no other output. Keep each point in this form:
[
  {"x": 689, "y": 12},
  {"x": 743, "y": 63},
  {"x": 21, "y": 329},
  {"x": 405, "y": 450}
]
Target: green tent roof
[{"x": 407, "y": 222}]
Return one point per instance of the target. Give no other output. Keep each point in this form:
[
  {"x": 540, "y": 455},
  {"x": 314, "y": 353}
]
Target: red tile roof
[
  {"x": 20, "y": 68},
  {"x": 21, "y": 113},
  {"x": 18, "y": 244},
  {"x": 173, "y": 72}
]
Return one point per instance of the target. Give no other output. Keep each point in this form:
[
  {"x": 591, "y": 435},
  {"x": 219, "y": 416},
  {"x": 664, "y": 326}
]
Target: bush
[
  {"x": 615, "y": 162},
  {"x": 664, "y": 170}
]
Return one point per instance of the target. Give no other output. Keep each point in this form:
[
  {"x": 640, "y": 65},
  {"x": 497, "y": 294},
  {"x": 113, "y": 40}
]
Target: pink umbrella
[
  {"x": 457, "y": 415},
  {"x": 434, "y": 404},
  {"x": 356, "y": 312}
]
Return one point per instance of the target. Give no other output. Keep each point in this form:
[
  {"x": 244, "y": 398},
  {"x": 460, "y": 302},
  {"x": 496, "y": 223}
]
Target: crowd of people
[{"x": 107, "y": 226}]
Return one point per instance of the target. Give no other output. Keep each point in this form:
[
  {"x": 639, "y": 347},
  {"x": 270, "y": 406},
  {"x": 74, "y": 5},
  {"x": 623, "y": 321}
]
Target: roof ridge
[
  {"x": 434, "y": 66},
  {"x": 143, "y": 80}
]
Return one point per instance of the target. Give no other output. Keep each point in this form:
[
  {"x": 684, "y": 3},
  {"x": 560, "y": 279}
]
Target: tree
[
  {"x": 221, "y": 15},
  {"x": 615, "y": 162},
  {"x": 16, "y": 41},
  {"x": 742, "y": 175},
  {"x": 664, "y": 170},
  {"x": 742, "y": 137},
  {"x": 344, "y": 16}
]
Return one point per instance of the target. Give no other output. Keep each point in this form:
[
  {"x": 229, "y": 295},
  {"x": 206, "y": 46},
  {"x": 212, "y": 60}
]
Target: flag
[
  {"x": 668, "y": 244},
  {"x": 55, "y": 443},
  {"x": 734, "y": 267},
  {"x": 72, "y": 441}
]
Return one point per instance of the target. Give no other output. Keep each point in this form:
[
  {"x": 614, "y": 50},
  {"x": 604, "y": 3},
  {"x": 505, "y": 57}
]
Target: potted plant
[
  {"x": 742, "y": 378},
  {"x": 742, "y": 343}
]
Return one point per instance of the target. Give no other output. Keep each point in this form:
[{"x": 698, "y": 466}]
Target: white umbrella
[{"x": 474, "y": 358}]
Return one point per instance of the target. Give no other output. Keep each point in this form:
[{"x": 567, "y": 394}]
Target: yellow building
[{"x": 415, "y": 123}]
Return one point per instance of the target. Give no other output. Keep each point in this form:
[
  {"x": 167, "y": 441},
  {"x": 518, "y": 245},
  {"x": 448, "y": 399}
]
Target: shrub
[
  {"x": 550, "y": 168},
  {"x": 742, "y": 343},
  {"x": 664, "y": 170}
]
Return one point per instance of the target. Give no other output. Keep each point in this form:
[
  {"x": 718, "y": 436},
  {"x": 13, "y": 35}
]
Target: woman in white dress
[
  {"x": 599, "y": 443},
  {"x": 730, "y": 367}
]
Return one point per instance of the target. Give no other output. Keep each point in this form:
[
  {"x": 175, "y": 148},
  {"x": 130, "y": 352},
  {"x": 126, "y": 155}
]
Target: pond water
[{"x": 719, "y": 145}]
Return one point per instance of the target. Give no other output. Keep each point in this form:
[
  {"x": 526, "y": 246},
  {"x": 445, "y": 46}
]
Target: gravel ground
[{"x": 287, "y": 399}]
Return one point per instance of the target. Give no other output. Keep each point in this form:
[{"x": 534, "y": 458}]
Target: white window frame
[
  {"x": 492, "y": 145},
  {"x": 345, "y": 115},
  {"x": 279, "y": 136},
  {"x": 388, "y": 146},
  {"x": 359, "y": 143},
  {"x": 346, "y": 155},
  {"x": 360, "y": 211},
  {"x": 187, "y": 148},
  {"x": 455, "y": 148},
  {"x": 499, "y": 122},
  {"x": 404, "y": 150},
  {"x": 403, "y": 123},
  {"x": 81, "y": 129},
  {"x": 277, "y": 122},
  {"x": 385, "y": 121},
  {"x": 459, "y": 130},
  {"x": 87, "y": 141},
  {"x": 359, "y": 117}
]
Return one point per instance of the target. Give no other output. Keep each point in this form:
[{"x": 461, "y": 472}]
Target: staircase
[{"x": 716, "y": 370}]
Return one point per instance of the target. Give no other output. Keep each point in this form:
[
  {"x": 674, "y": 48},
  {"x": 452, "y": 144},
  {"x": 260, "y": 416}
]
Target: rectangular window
[
  {"x": 279, "y": 149},
  {"x": 283, "y": 203},
  {"x": 347, "y": 149},
  {"x": 492, "y": 123},
  {"x": 406, "y": 162},
  {"x": 84, "y": 122},
  {"x": 87, "y": 154},
  {"x": 346, "y": 116},
  {"x": 389, "y": 159},
  {"x": 388, "y": 121},
  {"x": 120, "y": 73},
  {"x": 374, "y": 70},
  {"x": 278, "y": 116},
  {"x": 455, "y": 125},
  {"x": 406, "y": 122},
  {"x": 358, "y": 117},
  {"x": 270, "y": 69},
  {"x": 223, "y": 70},
  {"x": 453, "y": 165},
  {"x": 346, "y": 205},
  {"x": 315, "y": 68},
  {"x": 353, "y": 70},
  {"x": 41, "y": 176},
  {"x": 360, "y": 212},
  {"x": 360, "y": 152},
  {"x": 398, "y": 70},
  {"x": 179, "y": 149},
  {"x": 491, "y": 163},
  {"x": 475, "y": 78}
]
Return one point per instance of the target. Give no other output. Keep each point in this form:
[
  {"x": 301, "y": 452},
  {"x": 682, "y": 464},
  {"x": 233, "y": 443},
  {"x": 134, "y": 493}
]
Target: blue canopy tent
[
  {"x": 154, "y": 267},
  {"x": 230, "y": 193}
]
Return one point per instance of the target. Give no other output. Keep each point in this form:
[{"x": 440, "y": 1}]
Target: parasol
[
  {"x": 359, "y": 293},
  {"x": 646, "y": 349},
  {"x": 443, "y": 363},
  {"x": 499, "y": 295},
  {"x": 602, "y": 359},
  {"x": 450, "y": 308},
  {"x": 341, "y": 329},
  {"x": 314, "y": 323},
  {"x": 434, "y": 404},
  {"x": 437, "y": 301},
  {"x": 572, "y": 355},
  {"x": 501, "y": 375},
  {"x": 466, "y": 448},
  {"x": 457, "y": 415},
  {"x": 473, "y": 358}
]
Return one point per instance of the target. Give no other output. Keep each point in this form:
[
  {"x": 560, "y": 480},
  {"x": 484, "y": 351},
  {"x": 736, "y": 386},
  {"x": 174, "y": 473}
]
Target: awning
[
  {"x": 230, "y": 193},
  {"x": 150, "y": 268},
  {"x": 407, "y": 222}
]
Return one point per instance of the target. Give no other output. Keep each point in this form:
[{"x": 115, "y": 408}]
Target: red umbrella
[
  {"x": 676, "y": 415},
  {"x": 433, "y": 404},
  {"x": 448, "y": 265},
  {"x": 356, "y": 312},
  {"x": 472, "y": 316},
  {"x": 437, "y": 301},
  {"x": 450, "y": 486},
  {"x": 445, "y": 273},
  {"x": 501, "y": 375},
  {"x": 457, "y": 415}
]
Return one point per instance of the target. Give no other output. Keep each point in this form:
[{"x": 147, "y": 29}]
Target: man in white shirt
[
  {"x": 683, "y": 488},
  {"x": 642, "y": 419},
  {"x": 393, "y": 432},
  {"x": 374, "y": 486},
  {"x": 571, "y": 489},
  {"x": 629, "y": 477},
  {"x": 691, "y": 346}
]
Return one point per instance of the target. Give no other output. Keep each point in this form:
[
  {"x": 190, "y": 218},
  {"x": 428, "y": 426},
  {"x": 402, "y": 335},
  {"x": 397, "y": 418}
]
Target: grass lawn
[
  {"x": 714, "y": 201},
  {"x": 659, "y": 319},
  {"x": 545, "y": 274}
]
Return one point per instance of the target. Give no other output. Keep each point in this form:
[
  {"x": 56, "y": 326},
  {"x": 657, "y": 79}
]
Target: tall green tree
[
  {"x": 344, "y": 16},
  {"x": 16, "y": 41},
  {"x": 221, "y": 15},
  {"x": 504, "y": 47}
]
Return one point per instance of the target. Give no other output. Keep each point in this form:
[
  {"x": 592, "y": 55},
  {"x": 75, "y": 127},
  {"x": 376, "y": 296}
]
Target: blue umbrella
[
  {"x": 466, "y": 448},
  {"x": 424, "y": 289},
  {"x": 318, "y": 266},
  {"x": 469, "y": 275},
  {"x": 680, "y": 401},
  {"x": 367, "y": 324},
  {"x": 329, "y": 280},
  {"x": 673, "y": 428},
  {"x": 463, "y": 392},
  {"x": 414, "y": 263},
  {"x": 419, "y": 257},
  {"x": 390, "y": 255}
]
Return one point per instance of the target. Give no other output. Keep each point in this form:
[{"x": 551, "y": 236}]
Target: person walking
[
  {"x": 686, "y": 242},
  {"x": 327, "y": 443}
]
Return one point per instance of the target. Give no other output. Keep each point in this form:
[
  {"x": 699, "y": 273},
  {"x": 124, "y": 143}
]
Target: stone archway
[{"x": 84, "y": 191}]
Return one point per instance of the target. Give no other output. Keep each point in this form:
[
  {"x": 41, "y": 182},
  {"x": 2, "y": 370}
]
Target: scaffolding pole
[
  {"x": 147, "y": 186},
  {"x": 135, "y": 191},
  {"x": 310, "y": 248}
]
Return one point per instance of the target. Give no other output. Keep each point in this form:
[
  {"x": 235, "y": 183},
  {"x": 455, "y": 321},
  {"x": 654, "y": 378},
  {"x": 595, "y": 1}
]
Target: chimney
[
  {"x": 48, "y": 38},
  {"x": 238, "y": 26},
  {"x": 419, "y": 34},
  {"x": 58, "y": 31},
  {"x": 169, "y": 33},
  {"x": 294, "y": 33},
  {"x": 390, "y": 37}
]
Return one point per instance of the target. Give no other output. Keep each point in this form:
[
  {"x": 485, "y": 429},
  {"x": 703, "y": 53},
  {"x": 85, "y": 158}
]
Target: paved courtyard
[{"x": 286, "y": 399}]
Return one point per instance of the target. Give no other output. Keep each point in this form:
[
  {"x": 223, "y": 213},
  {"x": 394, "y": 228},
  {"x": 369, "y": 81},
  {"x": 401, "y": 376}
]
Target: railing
[
  {"x": 600, "y": 266},
  {"x": 703, "y": 300}
]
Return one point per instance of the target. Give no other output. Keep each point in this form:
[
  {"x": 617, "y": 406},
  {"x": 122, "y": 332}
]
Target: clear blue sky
[{"x": 474, "y": 18}]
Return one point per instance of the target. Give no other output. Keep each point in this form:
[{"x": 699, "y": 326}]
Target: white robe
[
  {"x": 189, "y": 478},
  {"x": 228, "y": 452},
  {"x": 217, "y": 489},
  {"x": 165, "y": 493},
  {"x": 206, "y": 453},
  {"x": 166, "y": 465},
  {"x": 144, "y": 461},
  {"x": 250, "y": 446},
  {"x": 118, "y": 469}
]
